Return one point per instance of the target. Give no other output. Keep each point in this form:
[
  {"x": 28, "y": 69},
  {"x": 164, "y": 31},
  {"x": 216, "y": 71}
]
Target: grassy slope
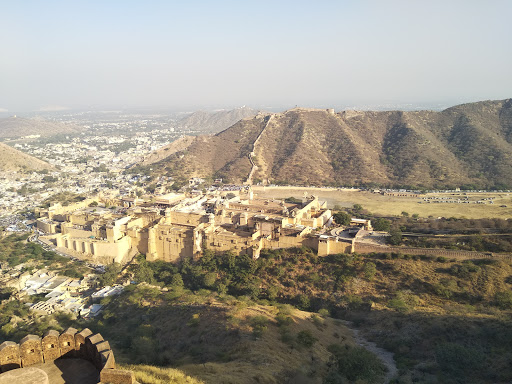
[{"x": 216, "y": 341}]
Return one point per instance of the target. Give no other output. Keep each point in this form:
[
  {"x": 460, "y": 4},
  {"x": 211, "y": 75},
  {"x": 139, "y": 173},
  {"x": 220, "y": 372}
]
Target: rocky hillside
[
  {"x": 12, "y": 160},
  {"x": 213, "y": 122},
  {"x": 12, "y": 127},
  {"x": 465, "y": 145}
]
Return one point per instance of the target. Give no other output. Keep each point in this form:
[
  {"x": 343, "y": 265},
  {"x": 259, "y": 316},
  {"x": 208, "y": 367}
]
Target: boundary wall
[
  {"x": 363, "y": 248},
  {"x": 85, "y": 345}
]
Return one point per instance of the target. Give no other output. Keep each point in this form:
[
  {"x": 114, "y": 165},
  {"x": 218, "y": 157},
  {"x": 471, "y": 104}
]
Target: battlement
[{"x": 33, "y": 350}]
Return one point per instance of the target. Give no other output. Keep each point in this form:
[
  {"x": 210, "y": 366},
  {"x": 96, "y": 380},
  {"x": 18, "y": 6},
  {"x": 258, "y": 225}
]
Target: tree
[
  {"x": 354, "y": 364},
  {"x": 357, "y": 207},
  {"x": 209, "y": 279},
  {"x": 342, "y": 218},
  {"x": 381, "y": 224},
  {"x": 395, "y": 237},
  {"x": 110, "y": 275},
  {"x": 177, "y": 281},
  {"x": 304, "y": 302}
]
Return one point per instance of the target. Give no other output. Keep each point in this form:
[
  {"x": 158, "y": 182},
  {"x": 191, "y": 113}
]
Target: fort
[
  {"x": 70, "y": 357},
  {"x": 179, "y": 227}
]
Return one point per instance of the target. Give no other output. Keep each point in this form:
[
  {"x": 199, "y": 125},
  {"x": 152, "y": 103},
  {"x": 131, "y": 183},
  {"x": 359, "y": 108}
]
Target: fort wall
[
  {"x": 448, "y": 253},
  {"x": 33, "y": 350}
]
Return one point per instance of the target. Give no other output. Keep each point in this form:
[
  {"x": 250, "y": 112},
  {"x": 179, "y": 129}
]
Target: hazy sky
[{"x": 181, "y": 54}]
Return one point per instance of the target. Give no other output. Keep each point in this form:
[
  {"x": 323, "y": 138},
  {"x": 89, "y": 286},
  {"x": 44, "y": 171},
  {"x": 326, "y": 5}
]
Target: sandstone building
[{"x": 177, "y": 228}]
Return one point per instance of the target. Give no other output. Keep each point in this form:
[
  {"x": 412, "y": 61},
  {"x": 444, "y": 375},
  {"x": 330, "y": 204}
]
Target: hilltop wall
[{"x": 448, "y": 253}]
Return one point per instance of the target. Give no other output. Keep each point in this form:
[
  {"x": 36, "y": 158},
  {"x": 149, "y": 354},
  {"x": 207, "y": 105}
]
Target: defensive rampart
[
  {"x": 363, "y": 248},
  {"x": 70, "y": 344}
]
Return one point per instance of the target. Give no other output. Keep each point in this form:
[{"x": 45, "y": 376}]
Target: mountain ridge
[
  {"x": 464, "y": 145},
  {"x": 13, "y": 127},
  {"x": 13, "y": 160},
  {"x": 213, "y": 122}
]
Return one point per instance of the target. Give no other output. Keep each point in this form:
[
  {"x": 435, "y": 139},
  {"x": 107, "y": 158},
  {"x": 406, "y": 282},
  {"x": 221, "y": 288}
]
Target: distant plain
[{"x": 394, "y": 206}]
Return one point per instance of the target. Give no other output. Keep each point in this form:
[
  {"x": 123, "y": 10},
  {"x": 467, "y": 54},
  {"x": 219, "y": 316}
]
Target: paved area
[{"x": 70, "y": 371}]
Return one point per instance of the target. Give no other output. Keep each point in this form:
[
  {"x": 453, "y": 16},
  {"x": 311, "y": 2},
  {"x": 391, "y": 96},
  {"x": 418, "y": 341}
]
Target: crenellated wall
[
  {"x": 85, "y": 345},
  {"x": 363, "y": 248}
]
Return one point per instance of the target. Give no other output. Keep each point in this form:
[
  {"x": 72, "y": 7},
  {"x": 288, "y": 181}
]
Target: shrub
[
  {"x": 458, "y": 361},
  {"x": 283, "y": 320},
  {"x": 354, "y": 364},
  {"x": 503, "y": 299},
  {"x": 404, "y": 301},
  {"x": 306, "y": 338},
  {"x": 259, "y": 325},
  {"x": 304, "y": 302},
  {"x": 370, "y": 269}
]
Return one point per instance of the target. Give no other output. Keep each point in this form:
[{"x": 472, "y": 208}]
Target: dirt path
[{"x": 385, "y": 356}]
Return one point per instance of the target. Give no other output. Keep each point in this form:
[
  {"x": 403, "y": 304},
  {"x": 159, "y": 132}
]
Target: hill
[
  {"x": 12, "y": 160},
  {"x": 13, "y": 127},
  {"x": 467, "y": 145},
  {"x": 213, "y": 122},
  {"x": 228, "y": 319},
  {"x": 176, "y": 146}
]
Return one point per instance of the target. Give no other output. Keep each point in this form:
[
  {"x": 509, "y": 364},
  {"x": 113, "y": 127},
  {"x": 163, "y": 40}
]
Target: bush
[
  {"x": 259, "y": 325},
  {"x": 503, "y": 300},
  {"x": 404, "y": 301},
  {"x": 304, "y": 302},
  {"x": 370, "y": 269},
  {"x": 354, "y": 364},
  {"x": 306, "y": 338},
  {"x": 458, "y": 361},
  {"x": 283, "y": 320},
  {"x": 445, "y": 288}
]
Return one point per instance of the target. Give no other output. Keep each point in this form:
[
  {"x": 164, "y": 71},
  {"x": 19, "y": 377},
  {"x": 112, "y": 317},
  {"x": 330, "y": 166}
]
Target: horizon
[
  {"x": 377, "y": 107},
  {"x": 169, "y": 55}
]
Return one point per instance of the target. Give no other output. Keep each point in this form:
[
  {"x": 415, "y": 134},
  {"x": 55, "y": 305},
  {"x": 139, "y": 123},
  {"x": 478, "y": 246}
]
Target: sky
[{"x": 191, "y": 54}]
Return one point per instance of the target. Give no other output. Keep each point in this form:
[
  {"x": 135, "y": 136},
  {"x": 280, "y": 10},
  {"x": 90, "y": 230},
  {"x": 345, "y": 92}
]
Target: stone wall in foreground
[{"x": 85, "y": 345}]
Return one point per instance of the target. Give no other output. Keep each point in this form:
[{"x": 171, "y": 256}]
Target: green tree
[
  {"x": 177, "y": 281},
  {"x": 304, "y": 302},
  {"x": 110, "y": 275},
  {"x": 209, "y": 279},
  {"x": 342, "y": 218},
  {"x": 381, "y": 224},
  {"x": 395, "y": 237},
  {"x": 354, "y": 365}
]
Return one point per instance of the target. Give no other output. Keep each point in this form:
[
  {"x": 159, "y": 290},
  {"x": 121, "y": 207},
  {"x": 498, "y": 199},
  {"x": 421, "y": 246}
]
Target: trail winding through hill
[{"x": 385, "y": 356}]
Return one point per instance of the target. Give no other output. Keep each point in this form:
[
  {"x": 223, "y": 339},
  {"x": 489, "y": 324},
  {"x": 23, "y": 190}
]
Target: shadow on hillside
[{"x": 451, "y": 348}]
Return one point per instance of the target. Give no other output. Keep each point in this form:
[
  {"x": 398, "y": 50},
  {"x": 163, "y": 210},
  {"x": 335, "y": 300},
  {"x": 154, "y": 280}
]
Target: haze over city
[{"x": 60, "y": 55}]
